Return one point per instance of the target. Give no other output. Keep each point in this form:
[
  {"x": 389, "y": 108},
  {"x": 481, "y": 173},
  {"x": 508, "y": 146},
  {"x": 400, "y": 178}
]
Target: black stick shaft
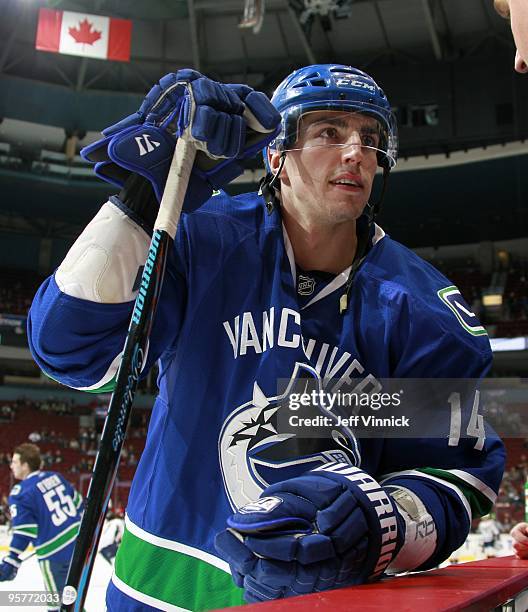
[
  {"x": 116, "y": 423},
  {"x": 132, "y": 361}
]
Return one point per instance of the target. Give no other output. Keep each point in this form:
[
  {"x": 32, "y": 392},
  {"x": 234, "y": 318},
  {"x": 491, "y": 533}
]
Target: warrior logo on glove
[
  {"x": 254, "y": 454},
  {"x": 266, "y": 504},
  {"x": 335, "y": 526},
  {"x": 227, "y": 124}
]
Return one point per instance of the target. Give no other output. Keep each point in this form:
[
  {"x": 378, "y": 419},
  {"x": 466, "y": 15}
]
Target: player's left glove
[
  {"x": 9, "y": 568},
  {"x": 332, "y": 527},
  {"x": 226, "y": 122}
]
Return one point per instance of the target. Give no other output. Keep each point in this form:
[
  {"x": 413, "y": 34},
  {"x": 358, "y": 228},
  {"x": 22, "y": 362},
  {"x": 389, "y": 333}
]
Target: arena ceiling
[
  {"x": 457, "y": 54},
  {"x": 205, "y": 34},
  {"x": 454, "y": 55}
]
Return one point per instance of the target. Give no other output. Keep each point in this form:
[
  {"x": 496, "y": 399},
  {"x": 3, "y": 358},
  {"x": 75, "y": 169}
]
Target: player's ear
[{"x": 274, "y": 161}]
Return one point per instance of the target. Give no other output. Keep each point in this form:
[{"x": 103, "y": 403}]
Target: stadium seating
[{"x": 63, "y": 445}]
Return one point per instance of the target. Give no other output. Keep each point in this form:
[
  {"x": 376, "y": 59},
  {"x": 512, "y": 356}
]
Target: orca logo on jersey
[
  {"x": 452, "y": 297},
  {"x": 253, "y": 453}
]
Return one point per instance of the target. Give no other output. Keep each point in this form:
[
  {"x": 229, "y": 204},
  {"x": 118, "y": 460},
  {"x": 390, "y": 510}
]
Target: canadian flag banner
[{"x": 83, "y": 34}]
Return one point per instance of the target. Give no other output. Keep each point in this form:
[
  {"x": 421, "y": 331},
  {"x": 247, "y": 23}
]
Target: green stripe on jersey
[
  {"x": 174, "y": 577},
  {"x": 480, "y": 504},
  {"x": 77, "y": 499},
  {"x": 106, "y": 388},
  {"x": 49, "y": 582},
  {"x": 28, "y": 530},
  {"x": 58, "y": 542}
]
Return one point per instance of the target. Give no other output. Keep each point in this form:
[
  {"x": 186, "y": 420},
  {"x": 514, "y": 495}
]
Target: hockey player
[
  {"x": 111, "y": 536},
  {"x": 517, "y": 13},
  {"x": 46, "y": 512},
  {"x": 298, "y": 284},
  {"x": 489, "y": 530}
]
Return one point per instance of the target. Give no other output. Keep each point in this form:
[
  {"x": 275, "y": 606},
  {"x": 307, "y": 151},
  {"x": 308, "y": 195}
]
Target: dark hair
[{"x": 30, "y": 454}]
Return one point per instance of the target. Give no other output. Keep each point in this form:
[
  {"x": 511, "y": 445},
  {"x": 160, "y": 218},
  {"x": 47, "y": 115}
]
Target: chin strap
[
  {"x": 363, "y": 227},
  {"x": 364, "y": 224},
  {"x": 363, "y": 231},
  {"x": 385, "y": 180},
  {"x": 267, "y": 186}
]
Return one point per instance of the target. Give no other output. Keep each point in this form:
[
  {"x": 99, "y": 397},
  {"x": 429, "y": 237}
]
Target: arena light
[
  {"x": 520, "y": 343},
  {"x": 492, "y": 299},
  {"x": 253, "y": 15}
]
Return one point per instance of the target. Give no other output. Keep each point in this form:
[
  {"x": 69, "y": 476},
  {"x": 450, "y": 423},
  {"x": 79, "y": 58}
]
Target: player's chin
[
  {"x": 353, "y": 203},
  {"x": 346, "y": 214}
]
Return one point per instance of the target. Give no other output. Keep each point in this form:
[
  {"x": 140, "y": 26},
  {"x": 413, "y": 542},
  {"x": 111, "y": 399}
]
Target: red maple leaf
[{"x": 84, "y": 34}]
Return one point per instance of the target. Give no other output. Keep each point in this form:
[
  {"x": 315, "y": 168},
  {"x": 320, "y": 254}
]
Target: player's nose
[
  {"x": 520, "y": 64},
  {"x": 352, "y": 150}
]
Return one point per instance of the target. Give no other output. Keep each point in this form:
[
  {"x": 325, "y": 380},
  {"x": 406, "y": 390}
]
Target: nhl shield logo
[{"x": 305, "y": 285}]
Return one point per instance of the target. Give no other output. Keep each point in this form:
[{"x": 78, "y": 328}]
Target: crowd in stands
[
  {"x": 4, "y": 510},
  {"x": 7, "y": 413},
  {"x": 18, "y": 287},
  {"x": 510, "y": 504},
  {"x": 54, "y": 425},
  {"x": 514, "y": 319},
  {"x": 510, "y": 319},
  {"x": 71, "y": 449}
]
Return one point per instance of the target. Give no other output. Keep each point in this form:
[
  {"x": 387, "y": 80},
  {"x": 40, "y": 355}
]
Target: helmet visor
[{"x": 326, "y": 126}]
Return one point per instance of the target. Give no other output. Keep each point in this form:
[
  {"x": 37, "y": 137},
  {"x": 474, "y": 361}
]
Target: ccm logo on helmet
[{"x": 348, "y": 82}]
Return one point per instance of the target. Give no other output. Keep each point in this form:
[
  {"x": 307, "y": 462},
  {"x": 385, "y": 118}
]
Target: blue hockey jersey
[
  {"x": 45, "y": 510},
  {"x": 231, "y": 323}
]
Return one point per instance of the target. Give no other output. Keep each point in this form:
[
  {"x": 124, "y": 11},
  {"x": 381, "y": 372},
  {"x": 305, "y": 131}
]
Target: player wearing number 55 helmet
[{"x": 268, "y": 294}]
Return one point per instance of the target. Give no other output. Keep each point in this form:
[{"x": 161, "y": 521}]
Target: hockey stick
[
  {"x": 28, "y": 556},
  {"x": 132, "y": 360}
]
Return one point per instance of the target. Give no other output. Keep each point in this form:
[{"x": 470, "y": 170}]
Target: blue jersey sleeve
[
  {"x": 457, "y": 479},
  {"x": 24, "y": 520},
  {"x": 434, "y": 339},
  {"x": 79, "y": 343}
]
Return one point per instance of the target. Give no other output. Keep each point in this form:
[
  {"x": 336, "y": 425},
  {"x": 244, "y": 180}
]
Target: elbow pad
[{"x": 105, "y": 262}]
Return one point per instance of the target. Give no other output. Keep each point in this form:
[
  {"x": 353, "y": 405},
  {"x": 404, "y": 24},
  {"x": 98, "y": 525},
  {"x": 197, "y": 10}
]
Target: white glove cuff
[
  {"x": 420, "y": 531},
  {"x": 102, "y": 265},
  {"x": 12, "y": 561}
]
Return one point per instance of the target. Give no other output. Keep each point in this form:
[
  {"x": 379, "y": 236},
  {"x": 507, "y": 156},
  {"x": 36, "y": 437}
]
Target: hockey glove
[
  {"x": 332, "y": 527},
  {"x": 227, "y": 123},
  {"x": 9, "y": 568}
]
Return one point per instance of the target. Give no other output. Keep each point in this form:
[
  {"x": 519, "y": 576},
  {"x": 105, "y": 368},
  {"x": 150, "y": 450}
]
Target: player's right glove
[
  {"x": 226, "y": 122},
  {"x": 9, "y": 568},
  {"x": 332, "y": 527}
]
